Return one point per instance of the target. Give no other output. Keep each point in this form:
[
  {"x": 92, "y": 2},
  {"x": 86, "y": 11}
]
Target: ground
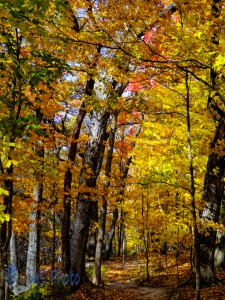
[{"x": 166, "y": 273}]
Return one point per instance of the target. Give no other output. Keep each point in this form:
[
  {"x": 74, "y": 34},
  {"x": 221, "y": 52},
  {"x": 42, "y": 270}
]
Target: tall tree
[
  {"x": 103, "y": 209},
  {"x": 98, "y": 126},
  {"x": 89, "y": 173},
  {"x": 214, "y": 184},
  {"x": 33, "y": 253}
]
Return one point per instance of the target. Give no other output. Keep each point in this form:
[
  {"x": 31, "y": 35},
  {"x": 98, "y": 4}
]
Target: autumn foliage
[{"x": 112, "y": 122}]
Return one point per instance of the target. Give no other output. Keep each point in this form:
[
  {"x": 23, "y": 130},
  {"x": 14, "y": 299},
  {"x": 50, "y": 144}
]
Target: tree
[
  {"x": 33, "y": 253},
  {"x": 183, "y": 56},
  {"x": 103, "y": 209},
  {"x": 89, "y": 173},
  {"x": 29, "y": 72}
]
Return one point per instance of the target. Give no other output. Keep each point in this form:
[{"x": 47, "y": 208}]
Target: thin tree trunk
[
  {"x": 33, "y": 253},
  {"x": 120, "y": 233},
  {"x": 192, "y": 192},
  {"x": 13, "y": 256},
  {"x": 145, "y": 231},
  {"x": 92, "y": 240},
  {"x": 123, "y": 243},
  {"x": 6, "y": 229},
  {"x": 98, "y": 253},
  {"x": 103, "y": 210},
  {"x": 108, "y": 246},
  {"x": 32, "y": 268},
  {"x": 53, "y": 251},
  {"x": 65, "y": 229},
  {"x": 91, "y": 244}
]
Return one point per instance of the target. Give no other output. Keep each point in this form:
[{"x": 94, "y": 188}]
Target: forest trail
[
  {"x": 128, "y": 281},
  {"x": 139, "y": 292},
  {"x": 129, "y": 278}
]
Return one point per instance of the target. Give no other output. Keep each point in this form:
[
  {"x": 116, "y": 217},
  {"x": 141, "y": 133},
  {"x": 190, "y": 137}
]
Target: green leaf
[
  {"x": 53, "y": 172},
  {"x": 3, "y": 192}
]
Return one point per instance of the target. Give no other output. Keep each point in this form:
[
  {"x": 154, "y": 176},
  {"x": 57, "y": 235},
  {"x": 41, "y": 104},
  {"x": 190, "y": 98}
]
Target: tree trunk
[
  {"x": 5, "y": 229},
  {"x": 145, "y": 230},
  {"x": 123, "y": 244},
  {"x": 219, "y": 258},
  {"x": 120, "y": 230},
  {"x": 121, "y": 236},
  {"x": 98, "y": 253},
  {"x": 33, "y": 252},
  {"x": 125, "y": 171},
  {"x": 92, "y": 160},
  {"x": 213, "y": 182},
  {"x": 13, "y": 256},
  {"x": 108, "y": 246},
  {"x": 65, "y": 229},
  {"x": 213, "y": 195},
  {"x": 98, "y": 125},
  {"x": 92, "y": 240},
  {"x": 91, "y": 244},
  {"x": 101, "y": 229},
  {"x": 192, "y": 192}
]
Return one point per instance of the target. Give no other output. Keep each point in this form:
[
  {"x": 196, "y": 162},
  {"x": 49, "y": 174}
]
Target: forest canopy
[{"x": 112, "y": 124}]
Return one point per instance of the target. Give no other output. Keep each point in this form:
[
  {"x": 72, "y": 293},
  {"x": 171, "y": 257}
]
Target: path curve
[{"x": 142, "y": 292}]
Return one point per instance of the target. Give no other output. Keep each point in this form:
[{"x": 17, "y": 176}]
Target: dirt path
[{"x": 142, "y": 292}]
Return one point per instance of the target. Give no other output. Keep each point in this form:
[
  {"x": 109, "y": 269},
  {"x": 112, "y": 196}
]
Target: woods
[{"x": 111, "y": 138}]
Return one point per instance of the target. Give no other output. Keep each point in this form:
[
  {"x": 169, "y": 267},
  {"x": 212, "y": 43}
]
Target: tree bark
[
  {"x": 192, "y": 192},
  {"x": 103, "y": 210},
  {"x": 123, "y": 243},
  {"x": 91, "y": 244},
  {"x": 5, "y": 229},
  {"x": 125, "y": 171},
  {"x": 145, "y": 230},
  {"x": 13, "y": 256},
  {"x": 98, "y": 125},
  {"x": 108, "y": 246},
  {"x": 92, "y": 240},
  {"x": 65, "y": 229},
  {"x": 33, "y": 253},
  {"x": 219, "y": 257},
  {"x": 212, "y": 194},
  {"x": 213, "y": 183},
  {"x": 91, "y": 165}
]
